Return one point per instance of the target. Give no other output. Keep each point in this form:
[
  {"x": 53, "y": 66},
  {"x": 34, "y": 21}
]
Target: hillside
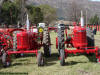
[{"x": 63, "y": 6}]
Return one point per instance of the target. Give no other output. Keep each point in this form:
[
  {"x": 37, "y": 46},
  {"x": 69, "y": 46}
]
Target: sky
[{"x": 95, "y": 0}]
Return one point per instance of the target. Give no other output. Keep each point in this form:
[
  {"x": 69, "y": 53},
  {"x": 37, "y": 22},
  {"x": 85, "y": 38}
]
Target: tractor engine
[
  {"x": 79, "y": 39},
  {"x": 27, "y": 40}
]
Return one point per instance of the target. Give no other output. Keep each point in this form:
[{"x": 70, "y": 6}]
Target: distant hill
[{"x": 64, "y": 5}]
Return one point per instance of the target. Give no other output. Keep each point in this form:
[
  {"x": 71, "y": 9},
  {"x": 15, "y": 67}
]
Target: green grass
[{"x": 75, "y": 65}]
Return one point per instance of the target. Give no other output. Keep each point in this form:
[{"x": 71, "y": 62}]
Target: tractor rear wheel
[
  {"x": 40, "y": 59},
  {"x": 46, "y": 42},
  {"x": 5, "y": 60},
  {"x": 61, "y": 45},
  {"x": 62, "y": 58},
  {"x": 90, "y": 37}
]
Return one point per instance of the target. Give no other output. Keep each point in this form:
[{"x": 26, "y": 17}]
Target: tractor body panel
[
  {"x": 22, "y": 41},
  {"x": 27, "y": 40},
  {"x": 79, "y": 40}
]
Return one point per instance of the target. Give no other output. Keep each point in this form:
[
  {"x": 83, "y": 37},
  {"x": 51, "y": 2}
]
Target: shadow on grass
[
  {"x": 20, "y": 64},
  {"x": 50, "y": 60},
  {"x": 91, "y": 57},
  {"x": 24, "y": 55},
  {"x": 53, "y": 57},
  {"x": 22, "y": 60},
  {"x": 49, "y": 64},
  {"x": 1, "y": 66},
  {"x": 72, "y": 63},
  {"x": 16, "y": 64}
]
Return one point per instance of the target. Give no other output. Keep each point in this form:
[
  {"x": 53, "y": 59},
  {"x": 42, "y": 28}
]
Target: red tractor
[
  {"x": 81, "y": 40},
  {"x": 21, "y": 41}
]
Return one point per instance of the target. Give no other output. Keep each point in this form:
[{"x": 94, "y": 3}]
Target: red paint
[
  {"x": 56, "y": 43},
  {"x": 22, "y": 51},
  {"x": 79, "y": 38}
]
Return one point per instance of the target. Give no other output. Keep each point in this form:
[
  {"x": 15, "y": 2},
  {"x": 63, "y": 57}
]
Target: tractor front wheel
[
  {"x": 40, "y": 59},
  {"x": 5, "y": 60},
  {"x": 62, "y": 58}
]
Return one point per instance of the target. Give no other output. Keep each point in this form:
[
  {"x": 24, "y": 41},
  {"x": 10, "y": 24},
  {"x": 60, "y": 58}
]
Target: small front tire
[
  {"x": 62, "y": 58},
  {"x": 40, "y": 59},
  {"x": 5, "y": 60}
]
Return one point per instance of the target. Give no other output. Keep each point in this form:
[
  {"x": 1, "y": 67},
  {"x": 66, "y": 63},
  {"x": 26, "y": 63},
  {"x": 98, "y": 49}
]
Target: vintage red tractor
[
  {"x": 21, "y": 41},
  {"x": 81, "y": 40}
]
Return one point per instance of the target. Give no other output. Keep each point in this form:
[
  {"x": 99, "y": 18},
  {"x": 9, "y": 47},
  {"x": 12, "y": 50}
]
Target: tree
[
  {"x": 74, "y": 11},
  {"x": 94, "y": 20},
  {"x": 35, "y": 14},
  {"x": 1, "y": 2},
  {"x": 21, "y": 4},
  {"x": 49, "y": 13},
  {"x": 9, "y": 13}
]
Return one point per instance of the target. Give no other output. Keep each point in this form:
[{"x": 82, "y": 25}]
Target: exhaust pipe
[
  {"x": 82, "y": 19},
  {"x": 27, "y": 23}
]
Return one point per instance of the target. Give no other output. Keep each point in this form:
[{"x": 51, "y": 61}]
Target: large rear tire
[
  {"x": 46, "y": 42},
  {"x": 90, "y": 37},
  {"x": 61, "y": 45}
]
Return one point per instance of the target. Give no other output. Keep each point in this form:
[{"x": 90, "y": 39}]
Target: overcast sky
[{"x": 95, "y": 0}]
